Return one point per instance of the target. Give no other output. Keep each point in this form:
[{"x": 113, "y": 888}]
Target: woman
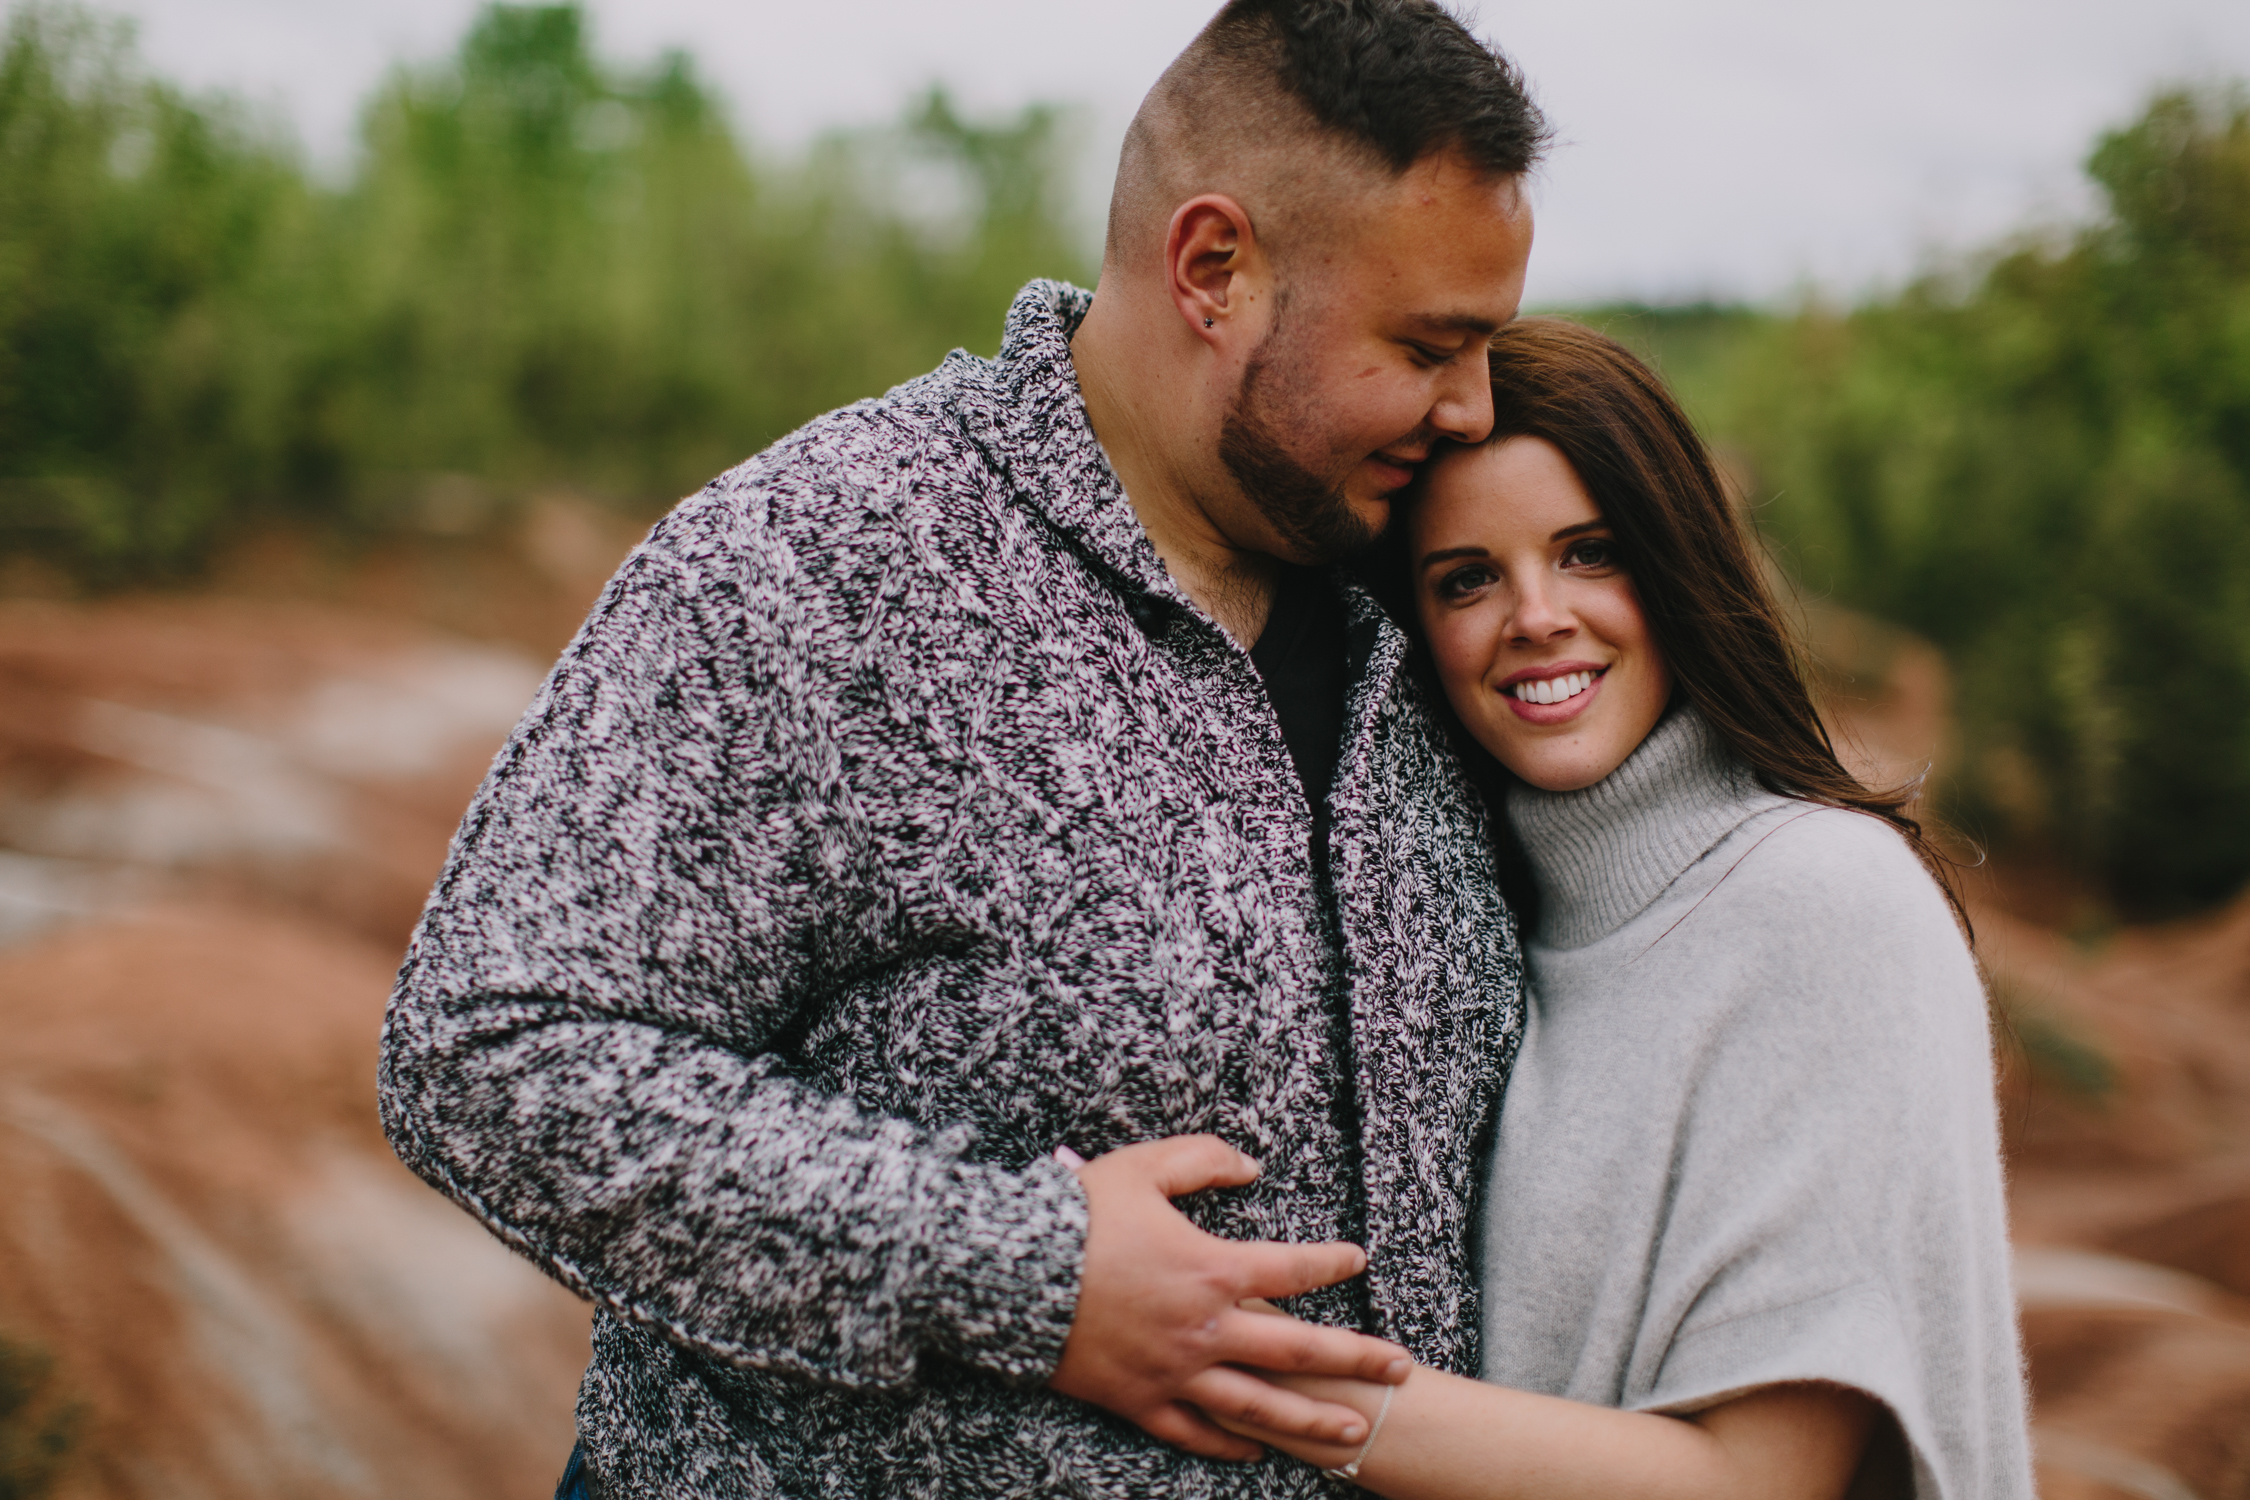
[{"x": 1745, "y": 1234}]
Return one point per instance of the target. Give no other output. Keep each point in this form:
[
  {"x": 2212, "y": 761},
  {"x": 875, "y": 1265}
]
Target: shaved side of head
[{"x": 1294, "y": 107}]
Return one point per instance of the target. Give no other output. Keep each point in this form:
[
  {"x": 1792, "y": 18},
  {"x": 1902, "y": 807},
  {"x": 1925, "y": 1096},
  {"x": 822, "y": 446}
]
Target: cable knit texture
[
  {"x": 1603, "y": 853},
  {"x": 893, "y": 819}
]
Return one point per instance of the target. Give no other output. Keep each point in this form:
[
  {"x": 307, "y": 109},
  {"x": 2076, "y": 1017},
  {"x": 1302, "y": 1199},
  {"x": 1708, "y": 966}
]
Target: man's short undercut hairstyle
[{"x": 1381, "y": 84}]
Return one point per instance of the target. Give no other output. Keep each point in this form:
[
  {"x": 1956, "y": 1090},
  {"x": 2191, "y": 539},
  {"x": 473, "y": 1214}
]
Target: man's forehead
[
  {"x": 1441, "y": 284},
  {"x": 1430, "y": 214}
]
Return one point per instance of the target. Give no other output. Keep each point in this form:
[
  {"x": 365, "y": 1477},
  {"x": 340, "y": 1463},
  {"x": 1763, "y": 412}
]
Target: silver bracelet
[{"x": 1351, "y": 1470}]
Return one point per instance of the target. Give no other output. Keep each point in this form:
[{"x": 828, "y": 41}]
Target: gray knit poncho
[
  {"x": 894, "y": 819},
  {"x": 1751, "y": 1137}
]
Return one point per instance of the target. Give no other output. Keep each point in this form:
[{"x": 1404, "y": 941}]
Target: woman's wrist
[
  {"x": 1366, "y": 1397},
  {"x": 1374, "y": 1431}
]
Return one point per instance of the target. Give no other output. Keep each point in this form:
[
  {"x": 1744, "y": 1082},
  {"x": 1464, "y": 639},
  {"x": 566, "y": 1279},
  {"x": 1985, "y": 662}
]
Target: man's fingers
[
  {"x": 1287, "y": 1346},
  {"x": 1185, "y": 1427},
  {"x": 1272, "y": 1269},
  {"x": 1184, "y": 1164},
  {"x": 1237, "y": 1396}
]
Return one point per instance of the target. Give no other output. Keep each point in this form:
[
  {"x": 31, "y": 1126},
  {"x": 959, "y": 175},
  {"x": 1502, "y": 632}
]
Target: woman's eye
[
  {"x": 1593, "y": 552},
  {"x": 1462, "y": 582}
]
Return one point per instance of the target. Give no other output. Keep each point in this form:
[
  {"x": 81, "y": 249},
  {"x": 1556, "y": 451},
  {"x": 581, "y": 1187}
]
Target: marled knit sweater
[{"x": 894, "y": 818}]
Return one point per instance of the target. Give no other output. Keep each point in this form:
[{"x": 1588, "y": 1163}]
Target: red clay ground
[
  {"x": 2126, "y": 1105},
  {"x": 218, "y": 815}
]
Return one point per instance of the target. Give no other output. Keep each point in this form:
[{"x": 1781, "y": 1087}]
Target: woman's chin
[
  {"x": 1561, "y": 781},
  {"x": 1570, "y": 771}
]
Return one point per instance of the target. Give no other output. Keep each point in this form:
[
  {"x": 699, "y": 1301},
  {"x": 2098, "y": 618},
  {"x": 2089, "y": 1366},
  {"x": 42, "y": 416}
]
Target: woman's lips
[{"x": 1557, "y": 713}]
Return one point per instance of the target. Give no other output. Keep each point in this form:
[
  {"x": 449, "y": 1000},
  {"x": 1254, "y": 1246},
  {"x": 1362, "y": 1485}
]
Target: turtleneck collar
[{"x": 1603, "y": 853}]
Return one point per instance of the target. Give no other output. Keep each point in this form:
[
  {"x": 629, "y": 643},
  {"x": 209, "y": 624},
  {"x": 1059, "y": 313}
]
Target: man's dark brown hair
[{"x": 1371, "y": 84}]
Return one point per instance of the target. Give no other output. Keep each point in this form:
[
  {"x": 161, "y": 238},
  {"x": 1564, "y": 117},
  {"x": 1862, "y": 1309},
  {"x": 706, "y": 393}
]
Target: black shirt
[{"x": 1301, "y": 655}]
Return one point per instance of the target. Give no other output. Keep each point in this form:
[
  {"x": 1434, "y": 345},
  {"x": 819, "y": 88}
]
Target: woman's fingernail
[
  {"x": 1250, "y": 1163},
  {"x": 1399, "y": 1369},
  {"x": 1353, "y": 1432}
]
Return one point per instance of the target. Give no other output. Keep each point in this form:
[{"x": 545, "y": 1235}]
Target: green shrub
[
  {"x": 146, "y": 360},
  {"x": 547, "y": 269},
  {"x": 544, "y": 269},
  {"x": 2044, "y": 467},
  {"x": 37, "y": 1431}
]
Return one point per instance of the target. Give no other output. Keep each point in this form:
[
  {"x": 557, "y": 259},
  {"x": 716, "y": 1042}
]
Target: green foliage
[
  {"x": 543, "y": 269},
  {"x": 2062, "y": 1059},
  {"x": 549, "y": 269},
  {"x": 142, "y": 381},
  {"x": 2045, "y": 468},
  {"x": 2060, "y": 1055},
  {"x": 36, "y": 1433}
]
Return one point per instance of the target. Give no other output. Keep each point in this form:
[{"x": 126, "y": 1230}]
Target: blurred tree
[
  {"x": 563, "y": 271},
  {"x": 145, "y": 247},
  {"x": 543, "y": 269},
  {"x": 2045, "y": 468},
  {"x": 548, "y": 269}
]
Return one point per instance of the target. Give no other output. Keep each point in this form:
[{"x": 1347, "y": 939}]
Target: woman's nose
[{"x": 1538, "y": 618}]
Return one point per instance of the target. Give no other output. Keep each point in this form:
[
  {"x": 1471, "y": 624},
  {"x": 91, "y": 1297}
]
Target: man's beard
[{"x": 1311, "y": 514}]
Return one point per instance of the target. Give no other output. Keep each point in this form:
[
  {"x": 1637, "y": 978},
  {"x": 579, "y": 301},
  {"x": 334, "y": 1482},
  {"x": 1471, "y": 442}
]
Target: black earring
[{"x": 1207, "y": 322}]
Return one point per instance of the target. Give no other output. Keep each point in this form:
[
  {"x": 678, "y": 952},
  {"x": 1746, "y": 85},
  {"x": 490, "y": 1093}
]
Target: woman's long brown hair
[{"x": 1713, "y": 619}]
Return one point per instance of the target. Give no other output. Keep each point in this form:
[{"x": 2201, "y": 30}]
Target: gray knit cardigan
[{"x": 894, "y": 819}]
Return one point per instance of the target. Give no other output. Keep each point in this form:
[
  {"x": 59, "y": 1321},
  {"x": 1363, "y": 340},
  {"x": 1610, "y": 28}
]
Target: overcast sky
[{"x": 1733, "y": 148}]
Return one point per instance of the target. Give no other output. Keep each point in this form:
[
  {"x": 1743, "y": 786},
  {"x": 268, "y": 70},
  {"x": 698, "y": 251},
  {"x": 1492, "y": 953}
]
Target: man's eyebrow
[
  {"x": 1468, "y": 323},
  {"x": 1449, "y": 553}
]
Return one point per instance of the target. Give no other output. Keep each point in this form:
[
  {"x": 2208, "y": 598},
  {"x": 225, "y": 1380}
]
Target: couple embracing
[{"x": 1242, "y": 899}]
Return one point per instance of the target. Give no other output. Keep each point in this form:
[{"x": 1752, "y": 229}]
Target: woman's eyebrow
[
  {"x": 1582, "y": 527},
  {"x": 1449, "y": 553}
]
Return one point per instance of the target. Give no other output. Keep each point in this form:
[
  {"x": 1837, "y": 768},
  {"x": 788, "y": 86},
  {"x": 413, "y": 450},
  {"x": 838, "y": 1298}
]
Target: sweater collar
[
  {"x": 1603, "y": 853},
  {"x": 1025, "y": 410}
]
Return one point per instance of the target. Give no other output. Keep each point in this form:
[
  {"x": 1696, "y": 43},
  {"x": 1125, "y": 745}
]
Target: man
[{"x": 989, "y": 769}]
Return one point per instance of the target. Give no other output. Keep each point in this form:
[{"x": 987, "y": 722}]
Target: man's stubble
[{"x": 1311, "y": 513}]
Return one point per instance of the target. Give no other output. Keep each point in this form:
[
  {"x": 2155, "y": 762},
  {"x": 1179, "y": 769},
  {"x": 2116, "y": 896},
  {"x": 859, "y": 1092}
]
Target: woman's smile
[{"x": 1553, "y": 695}]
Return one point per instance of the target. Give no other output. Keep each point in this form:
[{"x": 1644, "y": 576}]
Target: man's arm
[
  {"x": 577, "y": 1052},
  {"x": 638, "y": 903}
]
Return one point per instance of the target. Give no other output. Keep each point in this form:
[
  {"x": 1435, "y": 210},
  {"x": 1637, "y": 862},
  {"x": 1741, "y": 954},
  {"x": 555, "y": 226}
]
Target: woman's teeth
[{"x": 1554, "y": 689}]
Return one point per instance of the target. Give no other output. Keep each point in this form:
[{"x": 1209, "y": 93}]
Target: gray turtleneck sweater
[{"x": 1751, "y": 1135}]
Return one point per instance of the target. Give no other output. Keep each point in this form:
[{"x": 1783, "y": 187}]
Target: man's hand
[{"x": 1159, "y": 1330}]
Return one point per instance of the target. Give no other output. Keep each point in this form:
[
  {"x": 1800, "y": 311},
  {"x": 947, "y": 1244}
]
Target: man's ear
[{"x": 1212, "y": 263}]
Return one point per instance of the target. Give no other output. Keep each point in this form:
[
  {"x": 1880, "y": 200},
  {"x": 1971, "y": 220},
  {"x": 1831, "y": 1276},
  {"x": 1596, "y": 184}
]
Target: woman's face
[{"x": 1538, "y": 635}]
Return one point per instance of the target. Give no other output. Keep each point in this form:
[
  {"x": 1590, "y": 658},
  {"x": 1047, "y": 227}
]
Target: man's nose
[{"x": 1463, "y": 411}]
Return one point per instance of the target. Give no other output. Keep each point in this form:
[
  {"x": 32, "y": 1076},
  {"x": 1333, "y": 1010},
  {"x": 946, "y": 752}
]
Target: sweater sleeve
[
  {"x": 580, "y": 1048},
  {"x": 1837, "y": 1214}
]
